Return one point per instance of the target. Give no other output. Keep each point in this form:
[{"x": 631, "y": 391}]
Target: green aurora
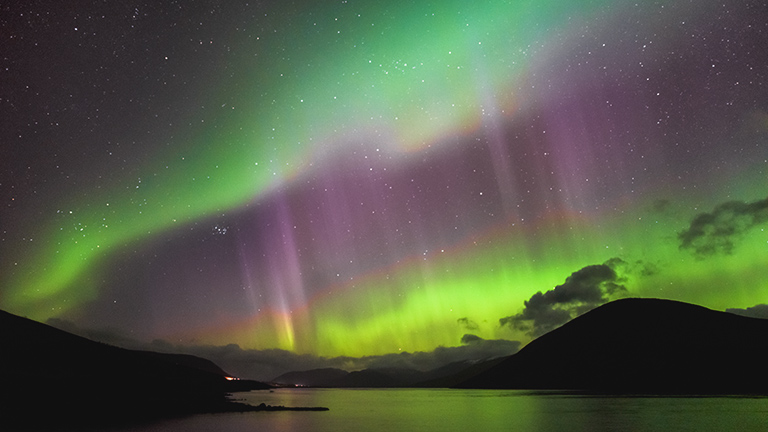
[{"x": 291, "y": 99}]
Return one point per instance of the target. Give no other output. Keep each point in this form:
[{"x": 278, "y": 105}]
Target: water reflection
[{"x": 479, "y": 410}]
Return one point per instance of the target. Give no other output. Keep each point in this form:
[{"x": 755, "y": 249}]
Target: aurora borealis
[{"x": 362, "y": 178}]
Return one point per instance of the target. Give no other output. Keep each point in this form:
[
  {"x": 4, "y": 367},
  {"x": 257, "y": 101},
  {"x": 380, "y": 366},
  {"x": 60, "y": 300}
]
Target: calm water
[{"x": 478, "y": 410}]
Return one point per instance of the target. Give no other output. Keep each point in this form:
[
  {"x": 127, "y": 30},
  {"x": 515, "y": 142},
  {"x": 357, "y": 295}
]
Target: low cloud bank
[{"x": 267, "y": 364}]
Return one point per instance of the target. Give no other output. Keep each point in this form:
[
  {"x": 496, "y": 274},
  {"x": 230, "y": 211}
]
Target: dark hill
[
  {"x": 642, "y": 346},
  {"x": 49, "y": 377}
]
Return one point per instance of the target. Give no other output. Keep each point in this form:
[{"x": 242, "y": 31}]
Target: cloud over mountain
[
  {"x": 716, "y": 232},
  {"x": 582, "y": 291}
]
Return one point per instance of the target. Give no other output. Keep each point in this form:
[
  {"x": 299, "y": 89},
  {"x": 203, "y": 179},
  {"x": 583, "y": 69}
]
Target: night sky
[{"x": 357, "y": 178}]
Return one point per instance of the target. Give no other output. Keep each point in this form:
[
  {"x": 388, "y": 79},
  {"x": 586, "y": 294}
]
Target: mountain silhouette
[
  {"x": 49, "y": 377},
  {"x": 646, "y": 346}
]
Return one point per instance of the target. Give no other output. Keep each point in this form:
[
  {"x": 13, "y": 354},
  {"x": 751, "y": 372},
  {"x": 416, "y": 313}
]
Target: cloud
[
  {"x": 470, "y": 338},
  {"x": 715, "y": 232},
  {"x": 582, "y": 291},
  {"x": 757, "y": 311},
  {"x": 636, "y": 268},
  {"x": 468, "y": 323}
]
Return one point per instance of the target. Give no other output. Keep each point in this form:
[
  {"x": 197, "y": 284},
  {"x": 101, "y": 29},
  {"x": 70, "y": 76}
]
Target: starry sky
[{"x": 359, "y": 178}]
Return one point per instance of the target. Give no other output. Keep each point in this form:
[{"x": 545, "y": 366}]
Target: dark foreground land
[{"x": 53, "y": 379}]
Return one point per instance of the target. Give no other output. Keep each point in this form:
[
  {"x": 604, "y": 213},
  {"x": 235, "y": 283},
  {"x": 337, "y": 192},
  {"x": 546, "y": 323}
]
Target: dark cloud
[
  {"x": 468, "y": 323},
  {"x": 716, "y": 232},
  {"x": 636, "y": 268},
  {"x": 583, "y": 290},
  {"x": 470, "y": 338},
  {"x": 612, "y": 263},
  {"x": 757, "y": 311}
]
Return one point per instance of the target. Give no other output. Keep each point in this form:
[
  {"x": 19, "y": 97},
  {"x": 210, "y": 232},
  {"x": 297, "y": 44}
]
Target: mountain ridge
[
  {"x": 641, "y": 346},
  {"x": 92, "y": 383}
]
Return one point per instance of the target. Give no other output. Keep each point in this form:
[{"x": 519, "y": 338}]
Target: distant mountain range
[
  {"x": 442, "y": 377},
  {"x": 49, "y": 377},
  {"x": 627, "y": 346}
]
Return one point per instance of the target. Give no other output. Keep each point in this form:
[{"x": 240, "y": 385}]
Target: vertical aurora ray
[
  {"x": 284, "y": 273},
  {"x": 386, "y": 169}
]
